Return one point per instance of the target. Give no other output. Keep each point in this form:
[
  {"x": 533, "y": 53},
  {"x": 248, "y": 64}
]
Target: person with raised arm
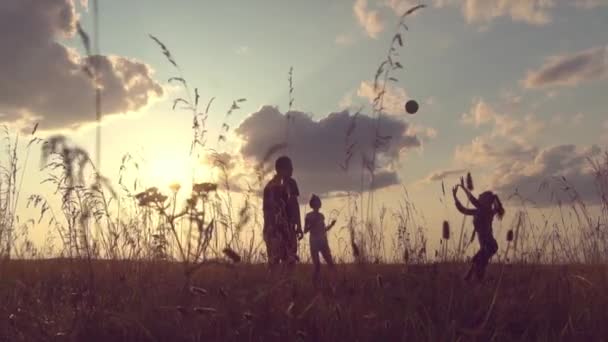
[
  {"x": 485, "y": 208},
  {"x": 314, "y": 223}
]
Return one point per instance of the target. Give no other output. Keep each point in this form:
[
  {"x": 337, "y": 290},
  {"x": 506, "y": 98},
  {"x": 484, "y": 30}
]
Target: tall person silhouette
[{"x": 282, "y": 222}]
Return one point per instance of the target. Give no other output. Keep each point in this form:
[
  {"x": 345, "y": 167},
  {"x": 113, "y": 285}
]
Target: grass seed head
[
  {"x": 446, "y": 230},
  {"x": 232, "y": 255},
  {"x": 356, "y": 252},
  {"x": 470, "y": 182},
  {"x": 379, "y": 281}
]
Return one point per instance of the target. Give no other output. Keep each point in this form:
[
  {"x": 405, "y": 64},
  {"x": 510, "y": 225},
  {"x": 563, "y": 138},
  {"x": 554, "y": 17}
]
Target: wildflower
[{"x": 175, "y": 187}]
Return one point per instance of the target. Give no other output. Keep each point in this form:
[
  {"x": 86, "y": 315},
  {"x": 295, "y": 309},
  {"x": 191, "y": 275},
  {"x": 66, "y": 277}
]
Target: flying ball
[{"x": 411, "y": 106}]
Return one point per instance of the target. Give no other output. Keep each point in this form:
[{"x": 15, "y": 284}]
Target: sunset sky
[{"x": 513, "y": 91}]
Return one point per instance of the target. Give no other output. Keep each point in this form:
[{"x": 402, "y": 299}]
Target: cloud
[
  {"x": 485, "y": 151},
  {"x": 535, "y": 12},
  {"x": 530, "y": 11},
  {"x": 368, "y": 19},
  {"x": 318, "y": 148},
  {"x": 372, "y": 21},
  {"x": 344, "y": 40},
  {"x": 570, "y": 70},
  {"x": 401, "y": 6},
  {"x": 577, "y": 119},
  {"x": 551, "y": 164},
  {"x": 424, "y": 133},
  {"x": 42, "y": 80},
  {"x": 346, "y": 102},
  {"x": 394, "y": 97},
  {"x": 242, "y": 50},
  {"x": 480, "y": 12},
  {"x": 512, "y": 163},
  {"x": 572, "y": 120},
  {"x": 503, "y": 125},
  {"x": 443, "y": 174},
  {"x": 589, "y": 4}
]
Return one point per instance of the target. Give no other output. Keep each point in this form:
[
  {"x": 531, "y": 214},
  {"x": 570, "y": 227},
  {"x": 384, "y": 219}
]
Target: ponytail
[{"x": 498, "y": 208}]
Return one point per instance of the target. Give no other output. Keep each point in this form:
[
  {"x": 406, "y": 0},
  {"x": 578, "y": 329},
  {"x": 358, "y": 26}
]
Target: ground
[{"x": 68, "y": 300}]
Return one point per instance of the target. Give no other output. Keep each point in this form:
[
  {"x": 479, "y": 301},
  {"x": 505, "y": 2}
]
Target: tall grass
[
  {"x": 12, "y": 174},
  {"x": 125, "y": 249}
]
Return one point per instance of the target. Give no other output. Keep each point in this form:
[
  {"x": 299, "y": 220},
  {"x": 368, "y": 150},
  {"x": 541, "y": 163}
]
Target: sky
[{"x": 512, "y": 91}]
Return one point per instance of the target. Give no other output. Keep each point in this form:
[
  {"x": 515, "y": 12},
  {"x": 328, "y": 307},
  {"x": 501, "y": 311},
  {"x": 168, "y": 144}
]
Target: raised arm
[
  {"x": 333, "y": 223},
  {"x": 459, "y": 206},
  {"x": 472, "y": 198},
  {"x": 294, "y": 206}
]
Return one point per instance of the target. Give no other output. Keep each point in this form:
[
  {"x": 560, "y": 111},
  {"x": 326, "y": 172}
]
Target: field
[
  {"x": 131, "y": 256},
  {"x": 69, "y": 300}
]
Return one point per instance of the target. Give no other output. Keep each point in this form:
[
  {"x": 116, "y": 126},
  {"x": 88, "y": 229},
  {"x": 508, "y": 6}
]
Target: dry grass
[
  {"x": 140, "y": 265},
  {"x": 139, "y": 301}
]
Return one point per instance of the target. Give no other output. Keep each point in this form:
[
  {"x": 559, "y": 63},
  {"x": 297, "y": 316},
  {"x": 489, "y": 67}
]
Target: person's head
[
  {"x": 284, "y": 167},
  {"x": 315, "y": 202},
  {"x": 489, "y": 200}
]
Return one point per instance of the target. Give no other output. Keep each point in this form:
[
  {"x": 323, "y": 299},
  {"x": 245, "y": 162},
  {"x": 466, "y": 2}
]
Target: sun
[{"x": 167, "y": 169}]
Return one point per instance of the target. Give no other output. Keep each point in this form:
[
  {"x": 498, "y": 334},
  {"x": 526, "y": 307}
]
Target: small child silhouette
[
  {"x": 314, "y": 223},
  {"x": 486, "y": 207}
]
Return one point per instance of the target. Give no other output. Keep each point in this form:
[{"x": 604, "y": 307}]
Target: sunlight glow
[{"x": 166, "y": 169}]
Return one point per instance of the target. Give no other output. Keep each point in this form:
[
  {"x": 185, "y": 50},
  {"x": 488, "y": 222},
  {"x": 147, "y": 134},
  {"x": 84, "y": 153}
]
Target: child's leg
[
  {"x": 483, "y": 263},
  {"x": 292, "y": 245},
  {"x": 326, "y": 252},
  {"x": 272, "y": 249},
  {"x": 474, "y": 265},
  {"x": 489, "y": 249},
  {"x": 314, "y": 255}
]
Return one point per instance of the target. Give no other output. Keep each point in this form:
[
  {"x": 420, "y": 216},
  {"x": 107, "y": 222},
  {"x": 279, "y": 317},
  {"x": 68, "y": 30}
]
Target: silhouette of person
[
  {"x": 314, "y": 222},
  {"x": 282, "y": 223},
  {"x": 486, "y": 207}
]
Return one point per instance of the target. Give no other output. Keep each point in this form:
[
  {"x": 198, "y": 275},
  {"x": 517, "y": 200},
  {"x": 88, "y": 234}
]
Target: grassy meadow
[
  {"x": 62, "y": 300},
  {"x": 131, "y": 262}
]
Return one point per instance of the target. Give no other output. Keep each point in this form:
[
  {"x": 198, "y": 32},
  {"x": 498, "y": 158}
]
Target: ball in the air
[{"x": 411, "y": 106}]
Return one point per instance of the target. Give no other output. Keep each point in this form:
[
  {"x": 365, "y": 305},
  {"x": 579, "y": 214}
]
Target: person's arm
[
  {"x": 295, "y": 192},
  {"x": 333, "y": 223},
  {"x": 459, "y": 206},
  {"x": 472, "y": 198},
  {"x": 306, "y": 224}
]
